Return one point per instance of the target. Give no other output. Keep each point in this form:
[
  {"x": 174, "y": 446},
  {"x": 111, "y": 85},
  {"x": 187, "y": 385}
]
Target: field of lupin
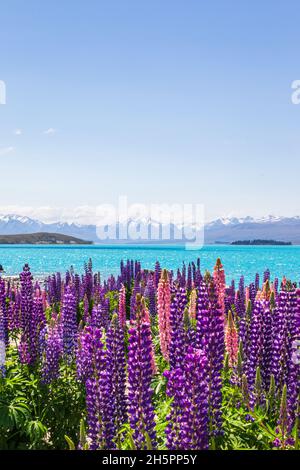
[{"x": 149, "y": 360}]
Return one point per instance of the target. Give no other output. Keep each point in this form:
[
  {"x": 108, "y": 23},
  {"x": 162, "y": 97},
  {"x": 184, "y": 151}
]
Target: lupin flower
[
  {"x": 86, "y": 310},
  {"x": 163, "y": 310},
  {"x": 278, "y": 337},
  {"x": 116, "y": 361},
  {"x": 37, "y": 322},
  {"x": 150, "y": 295},
  {"x": 141, "y": 412},
  {"x": 94, "y": 368},
  {"x": 267, "y": 344},
  {"x": 178, "y": 344},
  {"x": 53, "y": 352},
  {"x": 292, "y": 379},
  {"x": 69, "y": 322},
  {"x": 220, "y": 283},
  {"x": 255, "y": 347},
  {"x": 157, "y": 274},
  {"x": 193, "y": 304},
  {"x": 231, "y": 340},
  {"x": 4, "y": 309},
  {"x": 122, "y": 306},
  {"x": 2, "y": 343},
  {"x": 210, "y": 338},
  {"x": 214, "y": 351},
  {"x": 26, "y": 294},
  {"x": 100, "y": 314},
  {"x": 188, "y": 420},
  {"x": 189, "y": 278},
  {"x": 282, "y": 430}
]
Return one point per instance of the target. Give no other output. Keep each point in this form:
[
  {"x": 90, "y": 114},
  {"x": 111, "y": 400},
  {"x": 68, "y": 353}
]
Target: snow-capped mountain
[
  {"x": 227, "y": 230},
  {"x": 222, "y": 230},
  {"x": 13, "y": 224}
]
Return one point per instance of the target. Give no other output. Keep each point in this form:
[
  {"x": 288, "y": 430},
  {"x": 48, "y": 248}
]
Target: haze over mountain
[{"x": 222, "y": 230}]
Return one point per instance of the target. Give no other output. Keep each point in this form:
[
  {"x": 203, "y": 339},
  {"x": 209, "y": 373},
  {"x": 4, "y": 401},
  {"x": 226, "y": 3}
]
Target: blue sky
[{"x": 163, "y": 101}]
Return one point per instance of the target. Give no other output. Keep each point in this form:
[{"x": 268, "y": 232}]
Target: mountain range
[{"x": 222, "y": 230}]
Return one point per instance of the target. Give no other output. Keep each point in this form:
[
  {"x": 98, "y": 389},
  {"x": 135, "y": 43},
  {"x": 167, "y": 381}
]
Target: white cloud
[
  {"x": 6, "y": 150},
  {"x": 48, "y": 214},
  {"x": 50, "y": 131},
  {"x": 18, "y": 131}
]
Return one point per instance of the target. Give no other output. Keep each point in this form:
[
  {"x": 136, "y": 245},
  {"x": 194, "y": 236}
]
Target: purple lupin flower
[
  {"x": 53, "y": 352},
  {"x": 278, "y": 337},
  {"x": 26, "y": 297},
  {"x": 136, "y": 290},
  {"x": 4, "y": 311},
  {"x": 188, "y": 420},
  {"x": 229, "y": 298},
  {"x": 244, "y": 328},
  {"x": 94, "y": 369},
  {"x": 84, "y": 365},
  {"x": 210, "y": 338},
  {"x": 77, "y": 287},
  {"x": 177, "y": 334},
  {"x": 69, "y": 322},
  {"x": 256, "y": 283},
  {"x": 240, "y": 306},
  {"x": 37, "y": 322},
  {"x": 157, "y": 274},
  {"x": 293, "y": 379},
  {"x": 189, "y": 278},
  {"x": 276, "y": 285},
  {"x": 141, "y": 412},
  {"x": 26, "y": 315},
  {"x": 150, "y": 295},
  {"x": 266, "y": 276},
  {"x": 86, "y": 311},
  {"x": 252, "y": 293},
  {"x": 88, "y": 280},
  {"x": 203, "y": 316},
  {"x": 100, "y": 314},
  {"x": 2, "y": 343},
  {"x": 214, "y": 351},
  {"x": 255, "y": 347},
  {"x": 267, "y": 345},
  {"x": 117, "y": 366}
]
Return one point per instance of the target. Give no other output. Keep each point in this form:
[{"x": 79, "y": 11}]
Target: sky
[{"x": 164, "y": 102}]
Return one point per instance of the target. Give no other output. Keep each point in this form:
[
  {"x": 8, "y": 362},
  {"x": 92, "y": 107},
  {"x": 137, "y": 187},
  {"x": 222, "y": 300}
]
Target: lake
[{"x": 237, "y": 260}]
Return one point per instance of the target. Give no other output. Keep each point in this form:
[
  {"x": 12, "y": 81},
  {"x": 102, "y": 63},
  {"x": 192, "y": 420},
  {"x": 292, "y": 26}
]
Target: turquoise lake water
[{"x": 237, "y": 260}]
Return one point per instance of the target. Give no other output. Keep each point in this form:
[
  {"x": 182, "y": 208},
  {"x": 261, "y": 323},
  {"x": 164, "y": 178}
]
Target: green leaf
[
  {"x": 148, "y": 441},
  {"x": 70, "y": 443}
]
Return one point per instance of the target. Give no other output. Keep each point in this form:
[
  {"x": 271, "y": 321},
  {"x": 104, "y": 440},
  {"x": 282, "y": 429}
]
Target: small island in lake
[
  {"x": 42, "y": 238},
  {"x": 261, "y": 242}
]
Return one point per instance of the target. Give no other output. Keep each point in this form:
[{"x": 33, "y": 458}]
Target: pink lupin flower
[
  {"x": 44, "y": 299},
  {"x": 193, "y": 304},
  {"x": 163, "y": 310},
  {"x": 247, "y": 295},
  {"x": 219, "y": 279},
  {"x": 145, "y": 312},
  {"x": 231, "y": 340},
  {"x": 122, "y": 306},
  {"x": 266, "y": 290},
  {"x": 259, "y": 295}
]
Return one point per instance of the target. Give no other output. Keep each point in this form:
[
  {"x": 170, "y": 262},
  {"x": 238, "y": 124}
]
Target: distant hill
[
  {"x": 41, "y": 238},
  {"x": 223, "y": 230},
  {"x": 260, "y": 242}
]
